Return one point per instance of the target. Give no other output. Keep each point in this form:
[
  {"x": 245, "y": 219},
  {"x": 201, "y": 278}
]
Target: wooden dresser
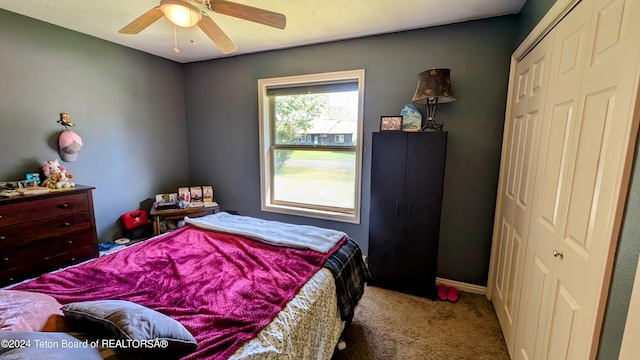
[{"x": 41, "y": 233}]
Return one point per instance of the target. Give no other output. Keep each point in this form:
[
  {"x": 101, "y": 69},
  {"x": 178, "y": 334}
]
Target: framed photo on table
[
  {"x": 184, "y": 193},
  {"x": 391, "y": 123},
  {"x": 207, "y": 194},
  {"x": 196, "y": 196}
]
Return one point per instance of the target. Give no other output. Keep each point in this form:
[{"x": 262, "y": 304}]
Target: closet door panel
[
  {"x": 598, "y": 173},
  {"x": 538, "y": 279},
  {"x": 588, "y": 169},
  {"x": 515, "y": 208},
  {"x": 564, "y": 324}
]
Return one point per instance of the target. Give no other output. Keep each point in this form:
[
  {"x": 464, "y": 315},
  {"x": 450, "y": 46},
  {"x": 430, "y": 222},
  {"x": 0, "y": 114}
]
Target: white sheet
[{"x": 304, "y": 236}]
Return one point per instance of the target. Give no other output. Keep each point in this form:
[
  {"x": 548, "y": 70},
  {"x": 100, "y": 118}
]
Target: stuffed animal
[{"x": 56, "y": 175}]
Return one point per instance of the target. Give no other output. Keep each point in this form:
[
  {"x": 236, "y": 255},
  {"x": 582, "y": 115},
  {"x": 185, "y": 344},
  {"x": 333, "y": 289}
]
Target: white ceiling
[{"x": 308, "y": 22}]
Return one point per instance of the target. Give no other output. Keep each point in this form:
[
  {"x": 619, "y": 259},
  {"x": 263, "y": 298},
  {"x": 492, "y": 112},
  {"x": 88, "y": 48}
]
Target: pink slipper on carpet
[
  {"x": 453, "y": 294},
  {"x": 443, "y": 292}
]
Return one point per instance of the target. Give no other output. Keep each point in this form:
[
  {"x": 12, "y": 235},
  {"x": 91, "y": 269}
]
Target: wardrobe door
[
  {"x": 386, "y": 246},
  {"x": 407, "y": 173},
  {"x": 424, "y": 177}
]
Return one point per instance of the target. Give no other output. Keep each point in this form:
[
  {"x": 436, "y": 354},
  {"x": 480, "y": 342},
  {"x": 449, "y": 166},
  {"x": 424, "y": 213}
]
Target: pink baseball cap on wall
[{"x": 70, "y": 143}]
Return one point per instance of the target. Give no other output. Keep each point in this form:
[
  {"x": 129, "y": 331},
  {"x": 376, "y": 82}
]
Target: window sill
[{"x": 312, "y": 213}]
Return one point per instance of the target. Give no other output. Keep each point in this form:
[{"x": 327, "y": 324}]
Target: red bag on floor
[{"x": 134, "y": 219}]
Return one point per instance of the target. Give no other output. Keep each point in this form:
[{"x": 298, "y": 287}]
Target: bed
[{"x": 243, "y": 288}]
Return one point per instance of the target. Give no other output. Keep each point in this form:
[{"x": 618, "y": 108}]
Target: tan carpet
[{"x": 392, "y": 325}]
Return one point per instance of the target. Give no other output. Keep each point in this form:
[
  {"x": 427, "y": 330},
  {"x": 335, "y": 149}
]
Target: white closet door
[
  {"x": 602, "y": 146},
  {"x": 559, "y": 121},
  {"x": 528, "y": 98},
  {"x": 583, "y": 171}
]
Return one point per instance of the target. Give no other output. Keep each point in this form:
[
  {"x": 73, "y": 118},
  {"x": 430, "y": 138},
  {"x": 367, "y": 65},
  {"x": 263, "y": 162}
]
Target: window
[{"x": 310, "y": 144}]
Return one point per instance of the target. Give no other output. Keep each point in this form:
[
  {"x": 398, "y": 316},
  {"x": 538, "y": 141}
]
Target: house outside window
[{"x": 319, "y": 177}]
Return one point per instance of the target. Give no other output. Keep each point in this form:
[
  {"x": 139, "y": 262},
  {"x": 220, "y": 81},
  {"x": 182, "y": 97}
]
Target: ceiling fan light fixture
[{"x": 180, "y": 13}]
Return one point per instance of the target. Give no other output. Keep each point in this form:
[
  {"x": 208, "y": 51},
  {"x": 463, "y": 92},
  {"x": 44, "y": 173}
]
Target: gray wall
[
  {"x": 222, "y": 128},
  {"x": 128, "y": 107},
  {"x": 629, "y": 244},
  {"x": 530, "y": 15}
]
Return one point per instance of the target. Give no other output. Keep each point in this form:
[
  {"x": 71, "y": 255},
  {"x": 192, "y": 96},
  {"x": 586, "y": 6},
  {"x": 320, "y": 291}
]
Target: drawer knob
[
  {"x": 5, "y": 259},
  {"x": 64, "y": 206},
  {"x": 66, "y": 224},
  {"x": 2, "y": 237},
  {"x": 73, "y": 259},
  {"x": 69, "y": 241}
]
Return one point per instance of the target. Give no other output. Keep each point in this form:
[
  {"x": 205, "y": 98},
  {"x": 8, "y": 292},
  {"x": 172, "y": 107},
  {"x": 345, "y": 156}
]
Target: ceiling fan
[{"x": 184, "y": 14}]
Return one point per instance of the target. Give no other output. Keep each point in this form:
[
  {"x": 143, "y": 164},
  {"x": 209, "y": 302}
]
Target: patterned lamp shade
[{"x": 433, "y": 84}]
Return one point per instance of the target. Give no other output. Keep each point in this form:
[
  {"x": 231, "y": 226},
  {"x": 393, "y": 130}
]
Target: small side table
[{"x": 178, "y": 214}]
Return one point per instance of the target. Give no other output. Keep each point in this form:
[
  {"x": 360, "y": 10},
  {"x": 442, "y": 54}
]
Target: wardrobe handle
[
  {"x": 409, "y": 209},
  {"x": 557, "y": 253},
  {"x": 397, "y": 208}
]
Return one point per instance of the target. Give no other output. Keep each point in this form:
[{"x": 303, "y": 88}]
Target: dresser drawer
[
  {"x": 49, "y": 263},
  {"x": 31, "y": 211},
  {"x": 25, "y": 255},
  {"x": 22, "y": 234}
]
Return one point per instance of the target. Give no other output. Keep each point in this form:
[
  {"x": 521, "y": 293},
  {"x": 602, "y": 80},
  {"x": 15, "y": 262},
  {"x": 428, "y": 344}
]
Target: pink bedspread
[{"x": 224, "y": 289}]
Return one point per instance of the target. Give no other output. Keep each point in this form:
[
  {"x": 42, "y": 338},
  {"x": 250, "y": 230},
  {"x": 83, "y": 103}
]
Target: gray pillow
[
  {"x": 119, "y": 319},
  {"x": 23, "y": 345}
]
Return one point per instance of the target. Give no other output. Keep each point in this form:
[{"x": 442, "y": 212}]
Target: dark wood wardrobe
[{"x": 407, "y": 174}]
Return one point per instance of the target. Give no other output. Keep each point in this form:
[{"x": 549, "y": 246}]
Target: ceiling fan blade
[
  {"x": 143, "y": 21},
  {"x": 213, "y": 31},
  {"x": 260, "y": 16}
]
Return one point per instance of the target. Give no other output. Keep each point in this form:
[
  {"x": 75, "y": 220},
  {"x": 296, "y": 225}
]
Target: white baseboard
[{"x": 470, "y": 288}]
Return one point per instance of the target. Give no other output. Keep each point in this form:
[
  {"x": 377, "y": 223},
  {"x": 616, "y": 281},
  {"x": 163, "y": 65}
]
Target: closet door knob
[{"x": 557, "y": 253}]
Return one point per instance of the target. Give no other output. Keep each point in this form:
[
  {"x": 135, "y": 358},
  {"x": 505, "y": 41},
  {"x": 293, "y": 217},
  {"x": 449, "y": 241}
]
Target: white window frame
[{"x": 266, "y": 141}]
